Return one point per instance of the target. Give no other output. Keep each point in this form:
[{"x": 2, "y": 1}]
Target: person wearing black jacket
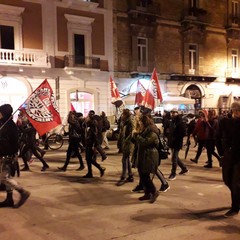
[
  {"x": 228, "y": 146},
  {"x": 175, "y": 142},
  {"x": 74, "y": 139},
  {"x": 9, "y": 158}
]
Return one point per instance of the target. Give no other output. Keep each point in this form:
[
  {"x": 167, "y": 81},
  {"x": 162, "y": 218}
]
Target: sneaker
[
  {"x": 194, "y": 160},
  {"x": 164, "y": 188},
  {"x": 209, "y": 165},
  {"x": 104, "y": 158},
  {"x": 230, "y": 213},
  {"x": 44, "y": 168},
  {"x": 138, "y": 189},
  {"x": 24, "y": 196},
  {"x": 102, "y": 171},
  {"x": 130, "y": 179},
  {"x": 145, "y": 197},
  {"x": 153, "y": 197},
  {"x": 79, "y": 169},
  {"x": 183, "y": 171},
  {"x": 121, "y": 182},
  {"x": 172, "y": 176}
]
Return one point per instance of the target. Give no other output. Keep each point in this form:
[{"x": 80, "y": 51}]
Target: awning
[{"x": 177, "y": 100}]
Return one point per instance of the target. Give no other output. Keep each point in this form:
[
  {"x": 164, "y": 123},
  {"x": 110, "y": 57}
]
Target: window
[
  {"x": 193, "y": 5},
  {"x": 6, "y": 37},
  {"x": 142, "y": 52},
  {"x": 192, "y": 58},
  {"x": 79, "y": 47},
  {"x": 235, "y": 12},
  {"x": 234, "y": 60}
]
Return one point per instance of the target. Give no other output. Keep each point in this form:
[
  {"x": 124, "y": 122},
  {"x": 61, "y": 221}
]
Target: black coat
[
  {"x": 176, "y": 133},
  {"x": 8, "y": 138}
]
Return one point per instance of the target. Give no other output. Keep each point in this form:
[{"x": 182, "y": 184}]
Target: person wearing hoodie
[{"x": 9, "y": 158}]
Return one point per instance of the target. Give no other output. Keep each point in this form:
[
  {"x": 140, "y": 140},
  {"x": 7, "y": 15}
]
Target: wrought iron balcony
[
  {"x": 82, "y": 61},
  {"x": 18, "y": 57}
]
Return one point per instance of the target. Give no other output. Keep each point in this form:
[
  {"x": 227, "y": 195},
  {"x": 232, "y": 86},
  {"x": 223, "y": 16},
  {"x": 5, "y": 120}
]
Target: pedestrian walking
[
  {"x": 9, "y": 158},
  {"x": 228, "y": 145},
  {"x": 175, "y": 143}
]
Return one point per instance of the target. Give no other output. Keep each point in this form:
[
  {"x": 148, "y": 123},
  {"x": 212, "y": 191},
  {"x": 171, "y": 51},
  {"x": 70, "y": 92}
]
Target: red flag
[
  {"x": 153, "y": 91},
  {"x": 41, "y": 109},
  {"x": 141, "y": 91},
  {"x": 72, "y": 108},
  {"x": 116, "y": 98}
]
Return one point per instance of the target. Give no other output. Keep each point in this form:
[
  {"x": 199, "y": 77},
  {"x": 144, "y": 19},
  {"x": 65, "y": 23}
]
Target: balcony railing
[
  {"x": 82, "y": 61},
  {"x": 18, "y": 57}
]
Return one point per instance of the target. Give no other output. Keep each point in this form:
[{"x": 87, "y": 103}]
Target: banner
[
  {"x": 141, "y": 91},
  {"x": 153, "y": 92},
  {"x": 41, "y": 109}
]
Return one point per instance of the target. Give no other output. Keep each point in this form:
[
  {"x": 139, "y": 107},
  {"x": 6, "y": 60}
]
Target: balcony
[
  {"x": 16, "y": 57},
  {"x": 82, "y": 62}
]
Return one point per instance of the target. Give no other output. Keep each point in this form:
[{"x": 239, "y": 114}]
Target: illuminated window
[
  {"x": 82, "y": 101},
  {"x": 235, "y": 12},
  {"x": 234, "y": 60},
  {"x": 192, "y": 57},
  {"x": 142, "y": 52}
]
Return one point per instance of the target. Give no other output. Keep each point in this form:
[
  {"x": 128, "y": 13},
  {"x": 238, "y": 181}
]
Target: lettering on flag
[{"x": 41, "y": 109}]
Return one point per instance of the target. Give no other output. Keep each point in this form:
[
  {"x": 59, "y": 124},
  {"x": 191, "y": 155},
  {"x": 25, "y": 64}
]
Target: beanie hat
[{"x": 6, "y": 110}]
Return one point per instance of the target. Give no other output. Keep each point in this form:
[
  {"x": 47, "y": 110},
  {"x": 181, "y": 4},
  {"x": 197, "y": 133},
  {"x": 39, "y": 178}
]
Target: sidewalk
[{"x": 65, "y": 206}]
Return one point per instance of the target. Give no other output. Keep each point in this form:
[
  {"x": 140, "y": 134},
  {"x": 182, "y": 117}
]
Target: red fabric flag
[
  {"x": 116, "y": 98},
  {"x": 141, "y": 91},
  {"x": 72, "y": 108},
  {"x": 41, "y": 109},
  {"x": 153, "y": 92}
]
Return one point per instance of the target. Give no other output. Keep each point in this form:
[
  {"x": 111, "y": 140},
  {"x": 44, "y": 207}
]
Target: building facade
[
  {"x": 193, "y": 44},
  {"x": 67, "y": 42}
]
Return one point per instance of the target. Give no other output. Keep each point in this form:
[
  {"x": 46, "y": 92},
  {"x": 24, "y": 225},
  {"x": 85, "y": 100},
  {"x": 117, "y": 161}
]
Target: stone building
[
  {"x": 67, "y": 42},
  {"x": 193, "y": 44}
]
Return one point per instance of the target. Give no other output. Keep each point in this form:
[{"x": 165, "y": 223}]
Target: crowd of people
[{"x": 138, "y": 142}]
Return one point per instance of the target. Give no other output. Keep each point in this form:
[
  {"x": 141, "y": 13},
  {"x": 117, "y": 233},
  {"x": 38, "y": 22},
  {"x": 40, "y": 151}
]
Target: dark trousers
[
  {"x": 73, "y": 147},
  {"x": 201, "y": 144},
  {"x": 231, "y": 177},
  {"x": 91, "y": 160},
  {"x": 210, "y": 146},
  {"x": 147, "y": 183}
]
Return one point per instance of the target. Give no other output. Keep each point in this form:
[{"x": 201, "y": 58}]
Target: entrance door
[
  {"x": 6, "y": 37},
  {"x": 194, "y": 92}
]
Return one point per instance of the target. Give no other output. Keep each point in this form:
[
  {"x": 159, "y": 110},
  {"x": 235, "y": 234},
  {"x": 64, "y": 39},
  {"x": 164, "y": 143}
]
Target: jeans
[
  {"x": 176, "y": 161},
  {"x": 126, "y": 165}
]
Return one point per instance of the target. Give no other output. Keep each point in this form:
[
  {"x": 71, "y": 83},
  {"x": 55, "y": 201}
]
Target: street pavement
[{"x": 65, "y": 206}]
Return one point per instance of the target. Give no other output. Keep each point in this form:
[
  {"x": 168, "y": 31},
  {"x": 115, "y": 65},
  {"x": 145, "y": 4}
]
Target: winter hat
[
  {"x": 6, "y": 110},
  {"x": 204, "y": 112}
]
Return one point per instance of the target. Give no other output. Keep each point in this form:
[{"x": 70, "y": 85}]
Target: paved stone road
[{"x": 62, "y": 205}]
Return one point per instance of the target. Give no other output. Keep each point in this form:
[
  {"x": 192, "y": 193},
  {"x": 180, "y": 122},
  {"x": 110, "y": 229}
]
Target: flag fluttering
[
  {"x": 153, "y": 92},
  {"x": 140, "y": 94},
  {"x": 41, "y": 109},
  {"x": 116, "y": 98}
]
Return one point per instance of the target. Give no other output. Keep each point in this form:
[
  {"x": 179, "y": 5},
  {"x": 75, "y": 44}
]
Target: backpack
[{"x": 163, "y": 148}]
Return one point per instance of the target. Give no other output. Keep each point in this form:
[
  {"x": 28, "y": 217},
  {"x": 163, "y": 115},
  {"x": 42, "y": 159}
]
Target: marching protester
[
  {"x": 105, "y": 128},
  {"x": 228, "y": 146},
  {"x": 211, "y": 138},
  {"x": 201, "y": 133},
  {"x": 9, "y": 158},
  {"x": 91, "y": 141},
  {"x": 146, "y": 157},
  {"x": 126, "y": 135},
  {"x": 175, "y": 143},
  {"x": 30, "y": 144},
  {"x": 73, "y": 142}
]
